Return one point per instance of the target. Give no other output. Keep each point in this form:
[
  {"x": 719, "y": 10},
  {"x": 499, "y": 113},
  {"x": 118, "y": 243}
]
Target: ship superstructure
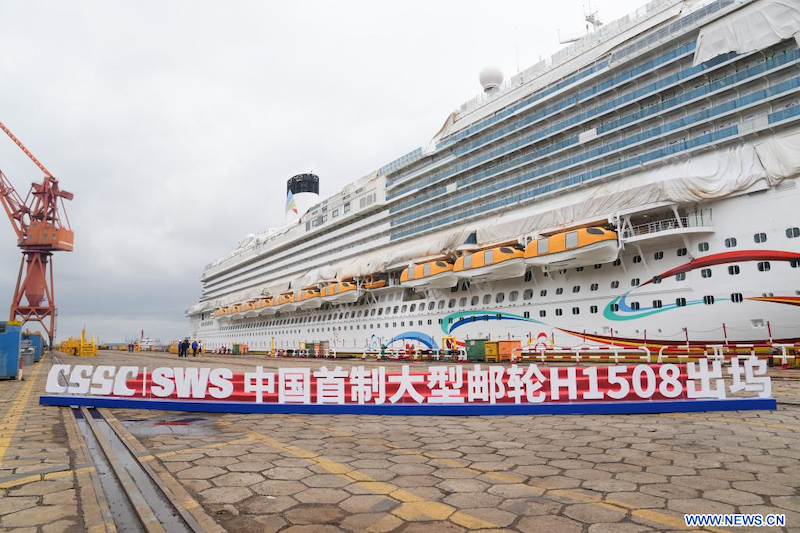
[{"x": 640, "y": 186}]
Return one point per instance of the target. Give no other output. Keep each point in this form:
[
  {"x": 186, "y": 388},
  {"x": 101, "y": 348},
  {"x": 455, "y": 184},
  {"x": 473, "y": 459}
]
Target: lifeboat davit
[
  {"x": 432, "y": 275},
  {"x": 577, "y": 248},
  {"x": 309, "y": 298},
  {"x": 341, "y": 293},
  {"x": 487, "y": 265}
]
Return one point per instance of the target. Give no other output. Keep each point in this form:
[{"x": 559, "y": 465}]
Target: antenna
[{"x": 591, "y": 17}]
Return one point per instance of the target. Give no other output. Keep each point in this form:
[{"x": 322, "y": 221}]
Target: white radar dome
[{"x": 491, "y": 77}]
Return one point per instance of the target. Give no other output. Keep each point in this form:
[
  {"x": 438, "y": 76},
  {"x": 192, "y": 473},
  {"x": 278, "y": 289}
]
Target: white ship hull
[{"x": 769, "y": 306}]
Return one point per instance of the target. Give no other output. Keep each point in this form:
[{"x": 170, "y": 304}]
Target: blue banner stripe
[{"x": 575, "y": 408}]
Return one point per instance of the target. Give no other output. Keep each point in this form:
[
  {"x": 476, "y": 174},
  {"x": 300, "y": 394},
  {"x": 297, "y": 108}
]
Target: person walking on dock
[{"x": 194, "y": 348}]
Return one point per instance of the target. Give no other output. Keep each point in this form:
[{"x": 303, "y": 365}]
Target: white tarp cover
[
  {"x": 710, "y": 175},
  {"x": 780, "y": 155},
  {"x": 754, "y": 27}
]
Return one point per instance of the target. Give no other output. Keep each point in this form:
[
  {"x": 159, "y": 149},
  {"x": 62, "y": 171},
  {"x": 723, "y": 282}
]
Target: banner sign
[{"x": 437, "y": 389}]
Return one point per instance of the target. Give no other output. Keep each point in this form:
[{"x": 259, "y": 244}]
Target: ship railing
[
  {"x": 579, "y": 353},
  {"x": 667, "y": 224}
]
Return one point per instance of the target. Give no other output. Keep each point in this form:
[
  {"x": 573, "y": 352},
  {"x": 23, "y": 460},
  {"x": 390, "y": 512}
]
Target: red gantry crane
[{"x": 40, "y": 230}]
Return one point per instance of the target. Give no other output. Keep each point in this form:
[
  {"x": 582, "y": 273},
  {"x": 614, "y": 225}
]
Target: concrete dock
[{"x": 294, "y": 473}]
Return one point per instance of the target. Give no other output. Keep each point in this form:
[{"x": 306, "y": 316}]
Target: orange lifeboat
[
  {"x": 502, "y": 262},
  {"x": 580, "y": 247}
]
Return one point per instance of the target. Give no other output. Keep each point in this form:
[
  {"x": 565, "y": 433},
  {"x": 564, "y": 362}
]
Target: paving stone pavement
[{"x": 592, "y": 474}]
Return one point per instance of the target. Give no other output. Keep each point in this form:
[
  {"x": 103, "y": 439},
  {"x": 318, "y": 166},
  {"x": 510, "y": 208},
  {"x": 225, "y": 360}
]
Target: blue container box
[
  {"x": 10, "y": 337},
  {"x": 38, "y": 344}
]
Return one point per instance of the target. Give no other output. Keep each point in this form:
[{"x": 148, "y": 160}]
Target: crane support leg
[{"x": 33, "y": 296}]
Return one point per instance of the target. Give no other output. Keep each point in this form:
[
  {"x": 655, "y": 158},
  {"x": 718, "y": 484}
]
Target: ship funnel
[{"x": 302, "y": 192}]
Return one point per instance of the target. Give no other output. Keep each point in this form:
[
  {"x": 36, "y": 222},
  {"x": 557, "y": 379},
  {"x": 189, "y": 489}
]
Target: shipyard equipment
[
  {"x": 10, "y": 337},
  {"x": 42, "y": 227}
]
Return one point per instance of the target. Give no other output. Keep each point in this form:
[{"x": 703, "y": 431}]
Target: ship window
[
  {"x": 617, "y": 262},
  {"x": 426, "y": 269},
  {"x": 680, "y": 276},
  {"x": 506, "y": 250},
  {"x": 528, "y": 294},
  {"x": 657, "y": 304},
  {"x": 598, "y": 266},
  {"x": 431, "y": 305},
  {"x": 560, "y": 290},
  {"x": 594, "y": 287},
  {"x": 706, "y": 273},
  {"x": 637, "y": 258},
  {"x": 404, "y": 309},
  {"x": 359, "y": 314},
  {"x": 680, "y": 302},
  {"x": 572, "y": 239},
  {"x": 488, "y": 257},
  {"x": 394, "y": 311},
  {"x": 733, "y": 270},
  {"x": 410, "y": 272},
  {"x": 737, "y": 297},
  {"x": 792, "y": 232},
  {"x": 542, "y": 313},
  {"x": 559, "y": 312},
  {"x": 528, "y": 275},
  {"x": 452, "y": 303},
  {"x": 794, "y": 263},
  {"x": 615, "y": 284},
  {"x": 541, "y": 246},
  {"x": 474, "y": 300},
  {"x": 708, "y": 300},
  {"x": 403, "y": 324},
  {"x": 454, "y": 289},
  {"x": 658, "y": 256},
  {"x": 730, "y": 242},
  {"x": 543, "y": 293},
  {"x": 430, "y": 322},
  {"x": 763, "y": 266},
  {"x": 441, "y": 304},
  {"x": 576, "y": 288},
  {"x": 372, "y": 313},
  {"x": 635, "y": 306},
  {"x": 513, "y": 296},
  {"x": 468, "y": 261},
  {"x": 500, "y": 297},
  {"x": 703, "y": 246},
  {"x": 334, "y": 213},
  {"x": 410, "y": 310},
  {"x": 576, "y": 310},
  {"x": 760, "y": 237},
  {"x": 526, "y": 314},
  {"x": 487, "y": 298},
  {"x": 634, "y": 282},
  {"x": 441, "y": 264},
  {"x": 346, "y": 208},
  {"x": 462, "y": 302},
  {"x": 593, "y": 309},
  {"x": 682, "y": 252},
  {"x": 579, "y": 269},
  {"x": 394, "y": 325}
]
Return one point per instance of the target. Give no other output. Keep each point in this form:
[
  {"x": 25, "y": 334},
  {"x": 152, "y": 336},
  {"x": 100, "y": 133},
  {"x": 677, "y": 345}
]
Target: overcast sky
[{"x": 177, "y": 123}]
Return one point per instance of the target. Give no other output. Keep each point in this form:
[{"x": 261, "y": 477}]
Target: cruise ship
[{"x": 637, "y": 188}]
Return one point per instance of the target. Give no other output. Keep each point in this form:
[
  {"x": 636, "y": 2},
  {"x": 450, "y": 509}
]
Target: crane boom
[{"x": 27, "y": 152}]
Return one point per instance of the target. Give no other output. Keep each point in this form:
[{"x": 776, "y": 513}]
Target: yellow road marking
[
  {"x": 472, "y": 522},
  {"x": 39, "y": 477},
  {"x": 11, "y": 420},
  {"x": 412, "y": 506}
]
